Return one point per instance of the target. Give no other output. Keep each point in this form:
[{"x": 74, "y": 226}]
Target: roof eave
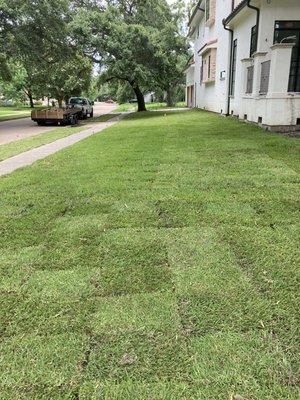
[
  {"x": 197, "y": 8},
  {"x": 230, "y": 17}
]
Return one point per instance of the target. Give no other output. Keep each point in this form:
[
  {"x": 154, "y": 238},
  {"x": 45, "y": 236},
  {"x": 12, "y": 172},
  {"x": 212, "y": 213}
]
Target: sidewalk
[{"x": 29, "y": 157}]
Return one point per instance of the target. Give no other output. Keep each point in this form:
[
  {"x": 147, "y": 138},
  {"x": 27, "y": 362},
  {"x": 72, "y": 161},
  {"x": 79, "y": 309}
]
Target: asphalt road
[{"x": 17, "y": 129}]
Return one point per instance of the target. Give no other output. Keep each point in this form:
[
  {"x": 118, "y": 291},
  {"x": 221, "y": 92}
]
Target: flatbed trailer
[{"x": 58, "y": 116}]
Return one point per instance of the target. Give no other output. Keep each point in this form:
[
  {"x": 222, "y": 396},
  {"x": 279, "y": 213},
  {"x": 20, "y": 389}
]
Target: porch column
[
  {"x": 259, "y": 57},
  {"x": 281, "y": 55}
]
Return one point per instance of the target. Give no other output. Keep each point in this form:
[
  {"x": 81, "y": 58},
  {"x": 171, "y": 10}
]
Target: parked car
[{"x": 83, "y": 103}]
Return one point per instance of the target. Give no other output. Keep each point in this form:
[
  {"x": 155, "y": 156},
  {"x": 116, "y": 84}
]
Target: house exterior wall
[
  {"x": 190, "y": 86},
  {"x": 277, "y": 107},
  {"x": 211, "y": 95}
]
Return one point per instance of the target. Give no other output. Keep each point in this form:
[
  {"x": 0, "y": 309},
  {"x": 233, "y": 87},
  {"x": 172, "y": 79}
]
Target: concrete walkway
[{"x": 29, "y": 157}]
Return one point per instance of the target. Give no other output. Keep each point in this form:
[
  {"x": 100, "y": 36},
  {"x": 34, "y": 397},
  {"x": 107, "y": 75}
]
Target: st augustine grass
[{"x": 158, "y": 260}]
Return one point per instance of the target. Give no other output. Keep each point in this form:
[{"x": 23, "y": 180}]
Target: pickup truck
[
  {"x": 77, "y": 108},
  {"x": 83, "y": 103}
]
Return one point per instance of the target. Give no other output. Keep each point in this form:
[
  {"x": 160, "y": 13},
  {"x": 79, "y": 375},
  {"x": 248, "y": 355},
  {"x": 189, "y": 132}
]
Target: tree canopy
[{"x": 57, "y": 42}]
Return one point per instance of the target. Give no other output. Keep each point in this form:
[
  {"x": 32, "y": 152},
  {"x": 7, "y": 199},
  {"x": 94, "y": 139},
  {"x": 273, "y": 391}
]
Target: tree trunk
[
  {"x": 30, "y": 99},
  {"x": 170, "y": 101},
  {"x": 139, "y": 97}
]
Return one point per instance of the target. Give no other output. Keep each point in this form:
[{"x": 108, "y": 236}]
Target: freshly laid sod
[
  {"x": 19, "y": 146},
  {"x": 156, "y": 260}
]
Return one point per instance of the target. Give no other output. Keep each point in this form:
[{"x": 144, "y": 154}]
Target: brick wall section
[{"x": 212, "y": 14}]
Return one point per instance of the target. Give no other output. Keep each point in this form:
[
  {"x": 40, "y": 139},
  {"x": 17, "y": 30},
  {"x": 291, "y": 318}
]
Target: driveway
[{"x": 21, "y": 128}]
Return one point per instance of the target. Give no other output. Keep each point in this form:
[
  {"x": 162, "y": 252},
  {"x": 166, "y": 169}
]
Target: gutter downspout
[
  {"x": 230, "y": 67},
  {"x": 257, "y": 18}
]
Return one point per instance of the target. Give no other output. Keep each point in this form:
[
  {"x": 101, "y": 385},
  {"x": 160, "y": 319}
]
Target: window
[
  {"x": 201, "y": 72},
  {"x": 209, "y": 65},
  {"x": 207, "y": 10},
  {"x": 289, "y": 32},
  {"x": 233, "y": 71},
  {"x": 249, "y": 88},
  {"x": 253, "y": 41},
  {"x": 265, "y": 76}
]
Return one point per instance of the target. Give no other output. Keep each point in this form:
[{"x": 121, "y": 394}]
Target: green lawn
[
  {"x": 150, "y": 106},
  {"x": 19, "y": 146},
  {"x": 155, "y": 260},
  {"x": 14, "y": 112}
]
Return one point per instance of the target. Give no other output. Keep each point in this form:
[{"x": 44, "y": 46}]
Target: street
[{"x": 21, "y": 128}]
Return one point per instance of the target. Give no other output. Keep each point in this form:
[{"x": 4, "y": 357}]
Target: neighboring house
[
  {"x": 149, "y": 97},
  {"x": 206, "y": 78},
  {"x": 262, "y": 70}
]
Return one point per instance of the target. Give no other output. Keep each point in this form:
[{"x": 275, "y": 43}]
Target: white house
[
  {"x": 259, "y": 50},
  {"x": 206, "y": 77}
]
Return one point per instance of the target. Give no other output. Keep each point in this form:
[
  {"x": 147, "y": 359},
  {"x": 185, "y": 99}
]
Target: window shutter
[
  {"x": 250, "y": 72},
  {"x": 213, "y": 64},
  {"x": 265, "y": 76},
  {"x": 209, "y": 66}
]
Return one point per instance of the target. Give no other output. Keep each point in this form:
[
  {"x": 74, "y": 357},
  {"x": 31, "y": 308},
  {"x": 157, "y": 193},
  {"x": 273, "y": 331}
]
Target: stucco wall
[
  {"x": 212, "y": 96},
  {"x": 277, "y": 107},
  {"x": 274, "y": 108}
]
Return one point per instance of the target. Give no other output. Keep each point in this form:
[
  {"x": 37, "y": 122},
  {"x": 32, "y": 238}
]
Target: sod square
[
  {"x": 250, "y": 365},
  {"x": 179, "y": 213},
  {"x": 277, "y": 209},
  {"x": 231, "y": 212},
  {"x": 61, "y": 283},
  {"x": 135, "y": 214},
  {"x": 143, "y": 312},
  {"x": 70, "y": 230},
  {"x": 132, "y": 261},
  {"x": 138, "y": 357},
  {"x": 16, "y": 266},
  {"x": 72, "y": 242},
  {"x": 41, "y": 360},
  {"x": 237, "y": 311},
  {"x": 81, "y": 255},
  {"x": 131, "y": 389},
  {"x": 8, "y": 302},
  {"x": 47, "y": 314},
  {"x": 201, "y": 262},
  {"x": 38, "y": 392},
  {"x": 125, "y": 279}
]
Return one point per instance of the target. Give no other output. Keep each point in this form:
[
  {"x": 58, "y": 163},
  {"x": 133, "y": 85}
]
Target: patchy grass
[
  {"x": 156, "y": 260},
  {"x": 19, "y": 146},
  {"x": 150, "y": 106}
]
